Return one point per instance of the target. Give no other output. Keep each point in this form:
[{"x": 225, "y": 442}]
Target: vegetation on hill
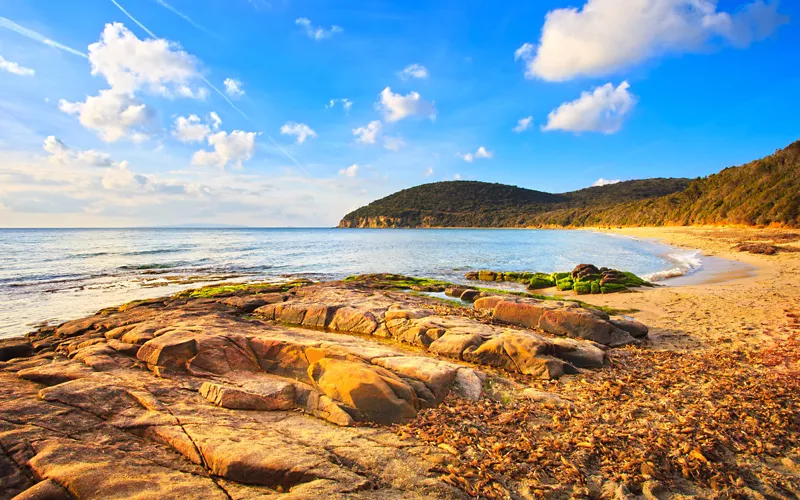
[{"x": 762, "y": 192}]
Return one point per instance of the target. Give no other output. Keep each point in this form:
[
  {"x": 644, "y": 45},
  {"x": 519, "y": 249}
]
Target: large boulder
[{"x": 372, "y": 393}]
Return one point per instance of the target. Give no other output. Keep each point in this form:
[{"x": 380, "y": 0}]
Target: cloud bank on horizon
[{"x": 204, "y": 126}]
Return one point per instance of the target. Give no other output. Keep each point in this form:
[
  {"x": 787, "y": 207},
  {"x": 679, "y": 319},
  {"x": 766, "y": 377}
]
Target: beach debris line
[{"x": 585, "y": 279}]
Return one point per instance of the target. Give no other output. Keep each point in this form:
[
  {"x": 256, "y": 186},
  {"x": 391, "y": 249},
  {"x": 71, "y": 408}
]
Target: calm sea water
[{"x": 58, "y": 274}]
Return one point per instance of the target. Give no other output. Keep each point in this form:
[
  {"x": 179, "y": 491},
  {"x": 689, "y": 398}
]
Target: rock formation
[{"x": 239, "y": 392}]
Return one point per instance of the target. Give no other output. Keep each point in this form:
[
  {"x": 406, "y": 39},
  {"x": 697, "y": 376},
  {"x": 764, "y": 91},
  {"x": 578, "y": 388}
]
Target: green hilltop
[{"x": 759, "y": 193}]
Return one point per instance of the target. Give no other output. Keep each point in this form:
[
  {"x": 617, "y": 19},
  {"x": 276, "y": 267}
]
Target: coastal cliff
[{"x": 765, "y": 192}]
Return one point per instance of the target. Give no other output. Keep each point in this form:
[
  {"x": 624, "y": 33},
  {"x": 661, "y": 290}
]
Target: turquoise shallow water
[{"x": 58, "y": 274}]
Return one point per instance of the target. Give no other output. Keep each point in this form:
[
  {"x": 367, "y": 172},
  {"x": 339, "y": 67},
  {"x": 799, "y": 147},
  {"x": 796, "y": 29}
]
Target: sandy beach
[{"x": 732, "y": 307}]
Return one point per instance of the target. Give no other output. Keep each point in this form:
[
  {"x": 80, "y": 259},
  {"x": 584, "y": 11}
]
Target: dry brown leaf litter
[{"x": 694, "y": 419}]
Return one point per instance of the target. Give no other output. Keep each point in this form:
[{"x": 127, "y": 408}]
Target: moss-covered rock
[
  {"x": 565, "y": 284},
  {"x": 612, "y": 288},
  {"x": 582, "y": 287},
  {"x": 595, "y": 287},
  {"x": 539, "y": 281},
  {"x": 559, "y": 276}
]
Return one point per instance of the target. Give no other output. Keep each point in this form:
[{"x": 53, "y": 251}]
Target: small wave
[
  {"x": 88, "y": 255},
  {"x": 685, "y": 263},
  {"x": 141, "y": 267},
  {"x": 156, "y": 251}
]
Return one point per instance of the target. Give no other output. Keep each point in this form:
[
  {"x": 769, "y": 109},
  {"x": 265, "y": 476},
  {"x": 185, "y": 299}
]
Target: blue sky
[{"x": 115, "y": 119}]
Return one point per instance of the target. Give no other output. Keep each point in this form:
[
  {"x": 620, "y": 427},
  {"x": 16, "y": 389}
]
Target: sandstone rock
[
  {"x": 55, "y": 373},
  {"x": 455, "y": 291},
  {"x": 265, "y": 395},
  {"x": 102, "y": 472},
  {"x": 544, "y": 397},
  {"x": 222, "y": 354},
  {"x": 486, "y": 275},
  {"x": 580, "y": 354},
  {"x": 585, "y": 272},
  {"x": 519, "y": 353},
  {"x": 172, "y": 350},
  {"x": 350, "y": 319},
  {"x": 453, "y": 345},
  {"x": 438, "y": 376},
  {"x": 99, "y": 395},
  {"x": 280, "y": 357},
  {"x": 468, "y": 385},
  {"x": 44, "y": 490},
  {"x": 373, "y": 393},
  {"x": 488, "y": 303},
  {"x": 265, "y": 458},
  {"x": 636, "y": 329},
  {"x": 523, "y": 314},
  {"x": 470, "y": 295},
  {"x": 15, "y": 348},
  {"x": 585, "y": 325}
]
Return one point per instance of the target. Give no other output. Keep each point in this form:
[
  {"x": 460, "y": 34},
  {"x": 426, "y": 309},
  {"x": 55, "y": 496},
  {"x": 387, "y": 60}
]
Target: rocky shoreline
[{"x": 304, "y": 390}]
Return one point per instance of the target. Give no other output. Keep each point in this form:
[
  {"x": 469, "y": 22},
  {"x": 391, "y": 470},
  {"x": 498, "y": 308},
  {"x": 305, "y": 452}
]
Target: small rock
[
  {"x": 544, "y": 397},
  {"x": 470, "y": 295},
  {"x": 653, "y": 490},
  {"x": 468, "y": 385}
]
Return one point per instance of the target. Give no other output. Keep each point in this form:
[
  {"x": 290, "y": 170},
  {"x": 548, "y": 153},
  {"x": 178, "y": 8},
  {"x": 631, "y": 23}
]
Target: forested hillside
[{"x": 762, "y": 192}]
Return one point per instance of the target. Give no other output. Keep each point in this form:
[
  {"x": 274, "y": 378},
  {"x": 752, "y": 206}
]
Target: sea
[{"x": 52, "y": 275}]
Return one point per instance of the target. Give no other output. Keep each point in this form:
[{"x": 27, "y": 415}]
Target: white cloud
[
  {"x": 190, "y": 129},
  {"x": 523, "y": 124},
  {"x": 397, "y": 106},
  {"x": 216, "y": 121},
  {"x": 368, "y": 134},
  {"x": 608, "y": 35},
  {"x": 299, "y": 130},
  {"x": 429, "y": 172},
  {"x": 414, "y": 71},
  {"x": 602, "y": 110},
  {"x": 233, "y": 87},
  {"x": 457, "y": 177},
  {"x": 60, "y": 153},
  {"x": 605, "y": 182},
  {"x": 393, "y": 143},
  {"x": 525, "y": 52},
  {"x": 14, "y": 68},
  {"x": 317, "y": 32},
  {"x": 347, "y": 104},
  {"x": 111, "y": 114},
  {"x": 235, "y": 148},
  {"x": 350, "y": 171},
  {"x": 120, "y": 178},
  {"x": 481, "y": 153},
  {"x": 129, "y": 64},
  {"x": 190, "y": 93}
]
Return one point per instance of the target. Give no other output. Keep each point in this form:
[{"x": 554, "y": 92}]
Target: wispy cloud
[
  {"x": 11, "y": 25},
  {"x": 14, "y": 68},
  {"x": 317, "y": 32},
  {"x": 184, "y": 17}
]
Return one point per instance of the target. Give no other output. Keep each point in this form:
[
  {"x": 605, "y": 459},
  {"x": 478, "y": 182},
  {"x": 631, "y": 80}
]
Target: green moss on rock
[
  {"x": 612, "y": 288},
  {"x": 595, "y": 287},
  {"x": 565, "y": 284},
  {"x": 582, "y": 287}
]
